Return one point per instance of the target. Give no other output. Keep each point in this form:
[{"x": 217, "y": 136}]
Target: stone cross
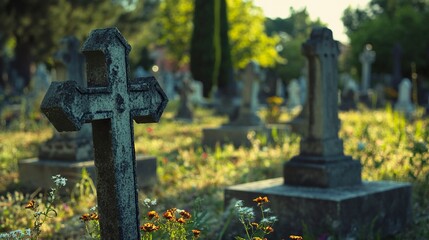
[
  {"x": 321, "y": 162},
  {"x": 110, "y": 102},
  {"x": 249, "y": 100},
  {"x": 367, "y": 57}
]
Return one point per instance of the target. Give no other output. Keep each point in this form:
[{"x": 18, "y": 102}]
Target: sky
[{"x": 328, "y": 11}]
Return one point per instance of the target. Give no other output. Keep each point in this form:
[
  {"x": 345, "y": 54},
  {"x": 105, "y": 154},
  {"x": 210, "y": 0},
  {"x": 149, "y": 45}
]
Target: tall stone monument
[
  {"x": 367, "y": 57},
  {"x": 110, "y": 102},
  {"x": 321, "y": 188},
  {"x": 67, "y": 153}
]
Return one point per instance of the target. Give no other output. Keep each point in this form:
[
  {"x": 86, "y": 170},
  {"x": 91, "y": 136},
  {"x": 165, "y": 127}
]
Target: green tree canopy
[
  {"x": 292, "y": 31},
  {"x": 385, "y": 23}
]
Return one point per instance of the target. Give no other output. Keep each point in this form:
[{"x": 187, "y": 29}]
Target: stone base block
[
  {"x": 238, "y": 135},
  {"x": 358, "y": 212},
  {"x": 34, "y": 173},
  {"x": 325, "y": 172}
]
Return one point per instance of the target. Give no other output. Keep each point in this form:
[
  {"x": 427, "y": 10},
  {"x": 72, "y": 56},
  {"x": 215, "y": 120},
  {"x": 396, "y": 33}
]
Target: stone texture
[
  {"x": 367, "y": 57},
  {"x": 110, "y": 102},
  {"x": 357, "y": 212}
]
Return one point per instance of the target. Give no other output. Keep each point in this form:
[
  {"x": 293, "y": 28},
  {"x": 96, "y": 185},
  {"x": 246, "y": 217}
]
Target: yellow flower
[
  {"x": 181, "y": 220},
  {"x": 295, "y": 237},
  {"x": 261, "y": 200},
  {"x": 196, "y": 233},
  {"x": 31, "y": 204},
  {"x": 185, "y": 214},
  {"x": 149, "y": 227},
  {"x": 152, "y": 214},
  {"x": 269, "y": 229}
]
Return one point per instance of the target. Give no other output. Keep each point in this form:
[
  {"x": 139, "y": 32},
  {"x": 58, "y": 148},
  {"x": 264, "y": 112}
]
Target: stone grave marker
[
  {"x": 367, "y": 57},
  {"x": 349, "y": 94},
  {"x": 110, "y": 103},
  {"x": 247, "y": 115},
  {"x": 185, "y": 111},
  {"x": 67, "y": 153},
  {"x": 321, "y": 189},
  {"x": 404, "y": 103},
  {"x": 294, "y": 91}
]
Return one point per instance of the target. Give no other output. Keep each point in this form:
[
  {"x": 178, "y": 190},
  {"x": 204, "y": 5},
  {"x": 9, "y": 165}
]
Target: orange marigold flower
[
  {"x": 93, "y": 216},
  {"x": 269, "y": 229},
  {"x": 185, "y": 214},
  {"x": 169, "y": 214},
  {"x": 196, "y": 232},
  {"x": 181, "y": 220},
  {"x": 295, "y": 237},
  {"x": 261, "y": 200},
  {"x": 152, "y": 214},
  {"x": 258, "y": 238},
  {"x": 85, "y": 217},
  {"x": 31, "y": 204},
  {"x": 149, "y": 227}
]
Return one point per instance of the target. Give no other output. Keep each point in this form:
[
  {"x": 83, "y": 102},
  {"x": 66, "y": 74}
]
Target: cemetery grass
[{"x": 388, "y": 146}]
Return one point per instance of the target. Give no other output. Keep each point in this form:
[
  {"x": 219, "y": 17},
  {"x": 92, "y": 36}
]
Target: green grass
[{"x": 389, "y": 147}]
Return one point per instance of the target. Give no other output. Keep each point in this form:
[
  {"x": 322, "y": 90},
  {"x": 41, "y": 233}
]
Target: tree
[
  {"x": 292, "y": 31},
  {"x": 390, "y": 22},
  {"x": 36, "y": 27}
]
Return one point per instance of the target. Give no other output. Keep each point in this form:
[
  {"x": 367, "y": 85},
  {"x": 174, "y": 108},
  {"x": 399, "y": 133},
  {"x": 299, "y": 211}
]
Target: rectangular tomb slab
[
  {"x": 34, "y": 173},
  {"x": 381, "y": 207}
]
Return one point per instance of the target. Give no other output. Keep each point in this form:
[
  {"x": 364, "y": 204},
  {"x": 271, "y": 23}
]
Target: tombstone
[
  {"x": 367, "y": 57},
  {"x": 280, "y": 91},
  {"x": 185, "y": 111},
  {"x": 294, "y": 97},
  {"x": 349, "y": 94},
  {"x": 67, "y": 153},
  {"x": 380, "y": 94},
  {"x": 321, "y": 190},
  {"x": 196, "y": 97},
  {"x": 236, "y": 130},
  {"x": 404, "y": 103},
  {"x": 110, "y": 102}
]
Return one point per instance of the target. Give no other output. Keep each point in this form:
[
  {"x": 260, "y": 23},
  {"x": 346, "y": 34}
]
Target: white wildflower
[
  {"x": 93, "y": 209},
  {"x": 149, "y": 203},
  {"x": 59, "y": 181}
]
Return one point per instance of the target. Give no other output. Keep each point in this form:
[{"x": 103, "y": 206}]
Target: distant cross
[
  {"x": 110, "y": 102},
  {"x": 367, "y": 57}
]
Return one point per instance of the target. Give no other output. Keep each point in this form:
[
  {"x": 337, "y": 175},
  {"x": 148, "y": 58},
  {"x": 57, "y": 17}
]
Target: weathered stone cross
[{"x": 110, "y": 102}]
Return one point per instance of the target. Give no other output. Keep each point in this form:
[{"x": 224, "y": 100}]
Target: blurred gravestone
[
  {"x": 109, "y": 102},
  {"x": 367, "y": 57},
  {"x": 294, "y": 92},
  {"x": 404, "y": 103},
  {"x": 349, "y": 94},
  {"x": 185, "y": 111},
  {"x": 67, "y": 153},
  {"x": 321, "y": 188}
]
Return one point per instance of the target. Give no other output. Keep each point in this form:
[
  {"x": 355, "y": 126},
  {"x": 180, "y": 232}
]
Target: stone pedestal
[
  {"x": 333, "y": 172},
  {"x": 34, "y": 173},
  {"x": 238, "y": 135},
  {"x": 358, "y": 212}
]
